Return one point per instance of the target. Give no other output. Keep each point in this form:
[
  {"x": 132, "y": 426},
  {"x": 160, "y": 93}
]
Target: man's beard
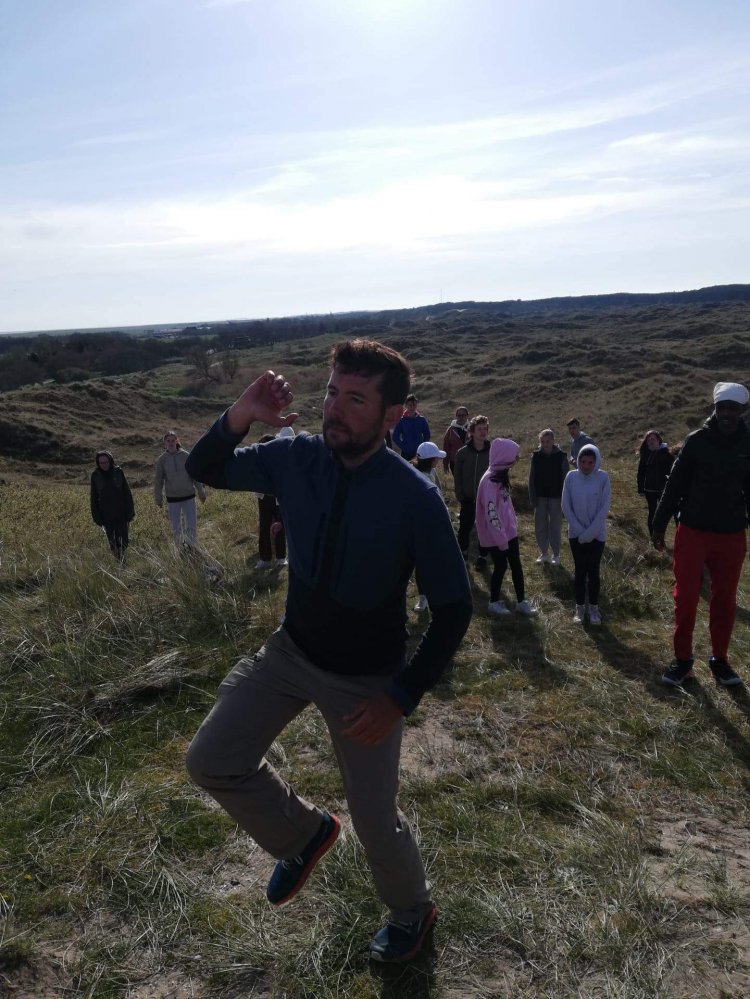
[{"x": 349, "y": 448}]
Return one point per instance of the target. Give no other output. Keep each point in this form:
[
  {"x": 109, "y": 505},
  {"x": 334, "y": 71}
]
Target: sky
[{"x": 166, "y": 161}]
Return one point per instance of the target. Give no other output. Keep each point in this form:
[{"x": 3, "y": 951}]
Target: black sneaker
[
  {"x": 401, "y": 941},
  {"x": 481, "y": 562},
  {"x": 723, "y": 673},
  {"x": 681, "y": 669},
  {"x": 290, "y": 875}
]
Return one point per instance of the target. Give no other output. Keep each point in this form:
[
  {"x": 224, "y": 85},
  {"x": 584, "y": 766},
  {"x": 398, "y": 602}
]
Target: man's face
[
  {"x": 170, "y": 443},
  {"x": 652, "y": 442},
  {"x": 462, "y": 415},
  {"x": 411, "y": 407},
  {"x": 586, "y": 463},
  {"x": 481, "y": 430},
  {"x": 354, "y": 419},
  {"x": 574, "y": 429},
  {"x": 547, "y": 442},
  {"x": 728, "y": 416}
]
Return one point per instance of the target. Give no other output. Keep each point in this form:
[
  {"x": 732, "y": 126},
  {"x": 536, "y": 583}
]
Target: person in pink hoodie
[{"x": 497, "y": 528}]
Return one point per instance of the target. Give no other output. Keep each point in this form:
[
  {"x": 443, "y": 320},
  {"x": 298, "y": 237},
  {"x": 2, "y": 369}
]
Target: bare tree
[
  {"x": 200, "y": 358},
  {"x": 230, "y": 365}
]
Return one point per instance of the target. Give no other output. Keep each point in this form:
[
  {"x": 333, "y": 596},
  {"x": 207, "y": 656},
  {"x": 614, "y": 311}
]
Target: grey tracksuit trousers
[
  {"x": 548, "y": 523},
  {"x": 258, "y": 698}
]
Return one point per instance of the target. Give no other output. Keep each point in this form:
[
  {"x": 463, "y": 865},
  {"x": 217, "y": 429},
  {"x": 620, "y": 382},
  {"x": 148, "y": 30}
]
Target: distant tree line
[{"x": 28, "y": 360}]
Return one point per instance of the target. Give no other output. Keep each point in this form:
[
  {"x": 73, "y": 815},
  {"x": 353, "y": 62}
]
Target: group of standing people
[
  {"x": 572, "y": 484},
  {"x": 703, "y": 484}
]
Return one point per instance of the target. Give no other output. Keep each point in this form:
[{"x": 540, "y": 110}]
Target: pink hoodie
[{"x": 496, "y": 518}]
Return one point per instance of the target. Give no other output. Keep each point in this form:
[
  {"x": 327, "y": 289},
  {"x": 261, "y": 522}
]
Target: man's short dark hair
[
  {"x": 368, "y": 358},
  {"x": 575, "y": 422}
]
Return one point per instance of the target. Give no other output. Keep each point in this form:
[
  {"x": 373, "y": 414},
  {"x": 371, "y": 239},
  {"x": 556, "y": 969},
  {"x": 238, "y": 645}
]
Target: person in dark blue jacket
[
  {"x": 411, "y": 430},
  {"x": 358, "y": 521}
]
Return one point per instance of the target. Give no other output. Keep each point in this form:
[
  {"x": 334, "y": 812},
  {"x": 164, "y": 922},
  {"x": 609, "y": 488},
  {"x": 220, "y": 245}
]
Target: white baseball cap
[
  {"x": 429, "y": 450},
  {"x": 731, "y": 392}
]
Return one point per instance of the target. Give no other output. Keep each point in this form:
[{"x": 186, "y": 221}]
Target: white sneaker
[
  {"x": 541, "y": 558},
  {"x": 525, "y": 609},
  {"x": 555, "y": 560},
  {"x": 282, "y": 561},
  {"x": 580, "y": 615},
  {"x": 263, "y": 564},
  {"x": 595, "y": 616},
  {"x": 421, "y": 604},
  {"x": 498, "y": 608}
]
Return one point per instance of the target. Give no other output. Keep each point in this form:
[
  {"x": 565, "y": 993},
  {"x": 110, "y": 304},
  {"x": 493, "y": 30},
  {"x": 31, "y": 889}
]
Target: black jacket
[
  {"x": 709, "y": 485},
  {"x": 111, "y": 499},
  {"x": 468, "y": 468},
  {"x": 547, "y": 474},
  {"x": 653, "y": 469}
]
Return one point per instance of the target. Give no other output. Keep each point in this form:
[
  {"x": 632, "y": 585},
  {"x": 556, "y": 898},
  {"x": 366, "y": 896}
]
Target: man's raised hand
[{"x": 262, "y": 402}]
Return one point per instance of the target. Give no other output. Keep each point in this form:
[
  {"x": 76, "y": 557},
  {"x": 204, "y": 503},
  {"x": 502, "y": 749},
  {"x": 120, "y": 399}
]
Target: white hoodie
[{"x": 586, "y": 499}]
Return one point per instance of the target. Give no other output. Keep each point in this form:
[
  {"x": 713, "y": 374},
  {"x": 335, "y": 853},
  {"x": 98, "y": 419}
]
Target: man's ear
[{"x": 392, "y": 415}]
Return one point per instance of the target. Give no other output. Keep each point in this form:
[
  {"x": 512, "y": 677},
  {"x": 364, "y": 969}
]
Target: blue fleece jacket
[
  {"x": 586, "y": 499},
  {"x": 354, "y": 538},
  {"x": 409, "y": 433}
]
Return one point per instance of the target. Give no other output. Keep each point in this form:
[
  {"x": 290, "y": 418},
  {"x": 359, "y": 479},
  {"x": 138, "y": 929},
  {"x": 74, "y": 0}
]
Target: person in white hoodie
[
  {"x": 585, "y": 504},
  {"x": 497, "y": 527}
]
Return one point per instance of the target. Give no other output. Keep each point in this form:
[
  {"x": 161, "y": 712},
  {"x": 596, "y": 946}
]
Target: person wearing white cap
[
  {"x": 428, "y": 457},
  {"x": 709, "y": 490}
]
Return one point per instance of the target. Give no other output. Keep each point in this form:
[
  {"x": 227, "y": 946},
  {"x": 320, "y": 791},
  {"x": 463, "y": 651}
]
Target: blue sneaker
[
  {"x": 289, "y": 876},
  {"x": 402, "y": 941}
]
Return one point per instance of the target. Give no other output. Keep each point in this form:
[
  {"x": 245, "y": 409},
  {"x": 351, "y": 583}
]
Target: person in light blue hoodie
[{"x": 585, "y": 504}]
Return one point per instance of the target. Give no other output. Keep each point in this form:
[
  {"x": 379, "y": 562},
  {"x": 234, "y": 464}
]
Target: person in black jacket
[
  {"x": 111, "y": 502},
  {"x": 472, "y": 461},
  {"x": 654, "y": 465},
  {"x": 549, "y": 466},
  {"x": 709, "y": 488}
]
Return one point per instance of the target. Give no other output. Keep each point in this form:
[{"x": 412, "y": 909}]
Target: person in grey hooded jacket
[
  {"x": 585, "y": 504},
  {"x": 170, "y": 477}
]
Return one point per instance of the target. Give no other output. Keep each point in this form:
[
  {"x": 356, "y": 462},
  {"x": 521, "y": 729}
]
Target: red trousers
[{"x": 723, "y": 554}]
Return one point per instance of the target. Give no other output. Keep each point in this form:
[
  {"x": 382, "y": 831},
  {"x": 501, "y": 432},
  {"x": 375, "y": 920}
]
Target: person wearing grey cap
[{"x": 709, "y": 490}]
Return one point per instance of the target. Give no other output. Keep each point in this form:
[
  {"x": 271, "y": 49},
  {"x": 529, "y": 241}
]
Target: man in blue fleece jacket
[{"x": 358, "y": 521}]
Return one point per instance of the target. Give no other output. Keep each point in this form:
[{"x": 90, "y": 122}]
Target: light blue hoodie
[{"x": 586, "y": 499}]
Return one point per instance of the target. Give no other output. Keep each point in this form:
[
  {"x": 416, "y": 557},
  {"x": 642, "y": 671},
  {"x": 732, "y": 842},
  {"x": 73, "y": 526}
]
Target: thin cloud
[{"x": 117, "y": 139}]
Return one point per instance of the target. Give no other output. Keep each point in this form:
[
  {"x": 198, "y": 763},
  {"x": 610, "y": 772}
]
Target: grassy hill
[{"x": 585, "y": 828}]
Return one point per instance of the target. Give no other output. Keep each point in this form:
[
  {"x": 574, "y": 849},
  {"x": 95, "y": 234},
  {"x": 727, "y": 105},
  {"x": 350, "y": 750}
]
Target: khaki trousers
[{"x": 257, "y": 700}]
